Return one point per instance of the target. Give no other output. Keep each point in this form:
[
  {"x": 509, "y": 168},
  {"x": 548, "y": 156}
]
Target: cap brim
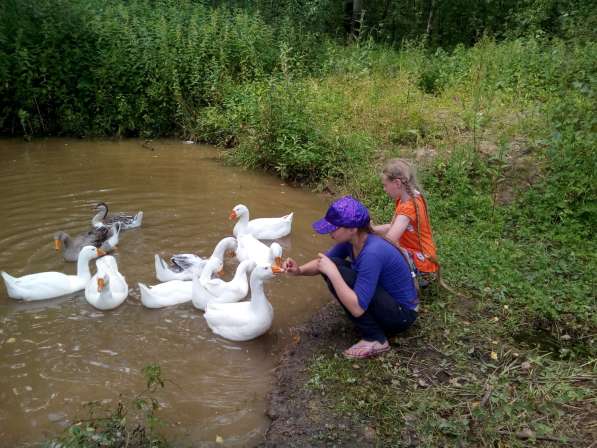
[{"x": 322, "y": 226}]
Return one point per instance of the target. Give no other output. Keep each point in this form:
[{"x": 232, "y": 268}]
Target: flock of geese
[{"x": 189, "y": 277}]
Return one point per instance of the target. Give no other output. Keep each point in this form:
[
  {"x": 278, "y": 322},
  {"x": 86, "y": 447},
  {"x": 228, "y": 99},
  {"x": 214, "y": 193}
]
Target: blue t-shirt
[{"x": 379, "y": 263}]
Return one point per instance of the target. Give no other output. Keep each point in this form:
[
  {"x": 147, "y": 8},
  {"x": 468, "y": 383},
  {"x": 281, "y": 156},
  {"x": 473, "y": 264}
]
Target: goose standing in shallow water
[
  {"x": 244, "y": 321},
  {"x": 48, "y": 285},
  {"x": 107, "y": 289},
  {"x": 128, "y": 221},
  {"x": 103, "y": 237},
  {"x": 182, "y": 264},
  {"x": 260, "y": 228}
]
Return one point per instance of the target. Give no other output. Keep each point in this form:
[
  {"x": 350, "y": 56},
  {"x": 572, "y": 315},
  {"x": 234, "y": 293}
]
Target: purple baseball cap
[{"x": 343, "y": 212}]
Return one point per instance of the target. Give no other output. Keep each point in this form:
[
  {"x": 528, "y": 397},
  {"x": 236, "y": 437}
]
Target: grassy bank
[{"x": 504, "y": 136}]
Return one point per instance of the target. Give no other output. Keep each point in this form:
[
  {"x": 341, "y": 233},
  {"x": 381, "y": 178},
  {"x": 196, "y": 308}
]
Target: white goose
[
  {"x": 234, "y": 290},
  {"x": 261, "y": 228},
  {"x": 243, "y": 321},
  {"x": 47, "y": 285},
  {"x": 175, "y": 292},
  {"x": 201, "y": 297},
  {"x": 250, "y": 248},
  {"x": 182, "y": 264},
  {"x": 107, "y": 289}
]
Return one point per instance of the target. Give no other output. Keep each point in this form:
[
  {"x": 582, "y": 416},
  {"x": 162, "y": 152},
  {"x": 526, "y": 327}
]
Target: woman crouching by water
[{"x": 367, "y": 274}]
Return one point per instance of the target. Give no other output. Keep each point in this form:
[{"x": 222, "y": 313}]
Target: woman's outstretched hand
[{"x": 291, "y": 267}]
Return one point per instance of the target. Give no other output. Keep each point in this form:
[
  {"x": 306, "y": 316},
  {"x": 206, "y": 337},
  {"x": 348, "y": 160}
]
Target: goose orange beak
[
  {"x": 277, "y": 269},
  {"x": 278, "y": 261},
  {"x": 232, "y": 215},
  {"x": 100, "y": 253},
  {"x": 100, "y": 283},
  {"x": 57, "y": 244},
  {"x": 230, "y": 253},
  {"x": 220, "y": 272}
]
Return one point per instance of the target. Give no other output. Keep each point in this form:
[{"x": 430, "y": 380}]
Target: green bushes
[{"x": 90, "y": 67}]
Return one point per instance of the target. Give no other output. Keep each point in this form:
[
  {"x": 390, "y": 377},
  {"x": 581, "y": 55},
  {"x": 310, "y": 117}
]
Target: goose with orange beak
[
  {"x": 107, "y": 289},
  {"x": 250, "y": 248},
  {"x": 260, "y": 228},
  {"x": 48, "y": 285},
  {"x": 243, "y": 321},
  {"x": 104, "y": 238}
]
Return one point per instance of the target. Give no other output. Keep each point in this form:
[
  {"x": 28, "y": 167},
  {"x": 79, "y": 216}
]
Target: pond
[{"x": 56, "y": 355}]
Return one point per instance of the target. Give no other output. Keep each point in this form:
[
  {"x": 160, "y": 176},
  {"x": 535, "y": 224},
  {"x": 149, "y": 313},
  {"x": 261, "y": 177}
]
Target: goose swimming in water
[
  {"x": 182, "y": 264},
  {"x": 103, "y": 237},
  {"x": 128, "y": 221},
  {"x": 260, "y": 228},
  {"x": 243, "y": 321},
  {"x": 107, "y": 289},
  {"x": 47, "y": 285}
]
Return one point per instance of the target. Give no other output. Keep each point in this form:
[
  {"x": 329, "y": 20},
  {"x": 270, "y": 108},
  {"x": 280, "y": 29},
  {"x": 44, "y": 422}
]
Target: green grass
[
  {"x": 134, "y": 422},
  {"x": 458, "y": 379}
]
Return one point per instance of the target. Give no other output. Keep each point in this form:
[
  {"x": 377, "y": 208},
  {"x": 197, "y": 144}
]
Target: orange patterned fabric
[{"x": 410, "y": 240}]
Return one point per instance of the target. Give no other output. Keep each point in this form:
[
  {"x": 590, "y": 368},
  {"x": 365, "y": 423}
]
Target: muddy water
[{"x": 56, "y": 355}]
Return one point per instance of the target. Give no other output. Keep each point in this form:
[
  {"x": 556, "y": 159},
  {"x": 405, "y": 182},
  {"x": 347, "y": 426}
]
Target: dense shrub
[{"x": 88, "y": 67}]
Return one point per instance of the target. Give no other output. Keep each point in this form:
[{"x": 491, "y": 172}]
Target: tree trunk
[
  {"x": 430, "y": 20},
  {"x": 357, "y": 10}
]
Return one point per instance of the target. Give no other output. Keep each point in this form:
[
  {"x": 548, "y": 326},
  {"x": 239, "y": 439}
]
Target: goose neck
[
  {"x": 241, "y": 271},
  {"x": 243, "y": 222},
  {"x": 83, "y": 268},
  {"x": 223, "y": 246},
  {"x": 207, "y": 271},
  {"x": 96, "y": 221},
  {"x": 258, "y": 298}
]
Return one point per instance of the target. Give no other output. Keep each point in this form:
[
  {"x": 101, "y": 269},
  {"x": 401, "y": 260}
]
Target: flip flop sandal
[{"x": 365, "y": 351}]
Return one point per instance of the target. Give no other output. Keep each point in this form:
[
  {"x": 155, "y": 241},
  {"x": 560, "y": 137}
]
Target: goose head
[
  {"x": 103, "y": 282},
  {"x": 238, "y": 211},
  {"x": 276, "y": 251},
  {"x": 264, "y": 271},
  {"x": 90, "y": 252},
  {"x": 102, "y": 207},
  {"x": 60, "y": 238}
]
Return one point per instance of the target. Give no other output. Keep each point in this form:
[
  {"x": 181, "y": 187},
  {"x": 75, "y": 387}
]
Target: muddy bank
[{"x": 300, "y": 416}]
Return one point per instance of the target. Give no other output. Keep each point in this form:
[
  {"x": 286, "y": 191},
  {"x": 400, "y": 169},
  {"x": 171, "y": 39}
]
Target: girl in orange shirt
[{"x": 410, "y": 226}]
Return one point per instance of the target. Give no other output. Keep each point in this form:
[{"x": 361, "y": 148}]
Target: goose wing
[{"x": 186, "y": 261}]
